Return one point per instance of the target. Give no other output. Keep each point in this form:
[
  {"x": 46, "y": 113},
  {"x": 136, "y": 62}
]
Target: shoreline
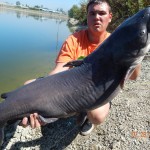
[{"x": 36, "y": 12}]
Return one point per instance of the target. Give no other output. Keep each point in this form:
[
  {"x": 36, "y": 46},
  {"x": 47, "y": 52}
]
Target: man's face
[{"x": 98, "y": 17}]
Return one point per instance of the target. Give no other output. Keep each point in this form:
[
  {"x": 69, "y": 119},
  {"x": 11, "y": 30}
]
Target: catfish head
[{"x": 131, "y": 39}]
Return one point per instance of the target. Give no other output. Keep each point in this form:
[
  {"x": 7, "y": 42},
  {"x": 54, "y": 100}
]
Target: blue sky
[{"x": 51, "y": 4}]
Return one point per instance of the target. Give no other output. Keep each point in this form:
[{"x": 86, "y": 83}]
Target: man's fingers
[
  {"x": 36, "y": 119},
  {"x": 37, "y": 123},
  {"x": 24, "y": 122},
  {"x": 32, "y": 121}
]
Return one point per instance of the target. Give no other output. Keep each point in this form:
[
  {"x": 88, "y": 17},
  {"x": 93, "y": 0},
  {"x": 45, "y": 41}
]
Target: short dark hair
[{"x": 97, "y": 2}]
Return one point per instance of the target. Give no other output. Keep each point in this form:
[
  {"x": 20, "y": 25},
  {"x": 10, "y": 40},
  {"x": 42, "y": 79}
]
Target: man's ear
[{"x": 110, "y": 17}]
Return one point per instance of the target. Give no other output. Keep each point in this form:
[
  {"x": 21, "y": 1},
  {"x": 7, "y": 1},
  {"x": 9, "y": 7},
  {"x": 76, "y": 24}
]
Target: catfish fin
[
  {"x": 4, "y": 95},
  {"x": 127, "y": 76},
  {"x": 47, "y": 120},
  {"x": 74, "y": 63},
  {"x": 122, "y": 84}
]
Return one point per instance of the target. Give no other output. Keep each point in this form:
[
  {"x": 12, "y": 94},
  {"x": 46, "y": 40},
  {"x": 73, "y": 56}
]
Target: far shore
[{"x": 37, "y": 12}]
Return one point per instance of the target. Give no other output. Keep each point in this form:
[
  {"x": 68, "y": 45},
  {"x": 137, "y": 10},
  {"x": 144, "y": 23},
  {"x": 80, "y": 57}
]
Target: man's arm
[{"x": 59, "y": 68}]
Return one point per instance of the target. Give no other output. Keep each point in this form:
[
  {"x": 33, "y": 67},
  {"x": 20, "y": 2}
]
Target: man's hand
[
  {"x": 35, "y": 122},
  {"x": 29, "y": 81}
]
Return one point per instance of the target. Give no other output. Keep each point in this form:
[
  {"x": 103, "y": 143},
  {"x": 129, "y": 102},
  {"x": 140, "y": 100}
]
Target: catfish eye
[
  {"x": 142, "y": 37},
  {"x": 142, "y": 32}
]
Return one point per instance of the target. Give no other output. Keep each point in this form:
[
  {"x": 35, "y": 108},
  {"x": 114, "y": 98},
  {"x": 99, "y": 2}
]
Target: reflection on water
[
  {"x": 29, "y": 45},
  {"x": 38, "y": 16}
]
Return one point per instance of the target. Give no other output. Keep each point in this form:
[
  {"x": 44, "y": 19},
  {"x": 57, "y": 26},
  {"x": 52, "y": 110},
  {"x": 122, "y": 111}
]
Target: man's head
[
  {"x": 99, "y": 15},
  {"x": 98, "y": 2}
]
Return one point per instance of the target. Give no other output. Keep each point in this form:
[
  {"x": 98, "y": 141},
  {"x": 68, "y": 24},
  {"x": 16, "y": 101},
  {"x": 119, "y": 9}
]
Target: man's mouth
[{"x": 97, "y": 24}]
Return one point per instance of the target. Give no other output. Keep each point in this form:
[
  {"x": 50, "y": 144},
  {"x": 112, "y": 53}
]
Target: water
[{"x": 29, "y": 44}]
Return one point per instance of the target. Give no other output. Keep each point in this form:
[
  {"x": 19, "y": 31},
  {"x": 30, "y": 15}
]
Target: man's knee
[{"x": 97, "y": 116}]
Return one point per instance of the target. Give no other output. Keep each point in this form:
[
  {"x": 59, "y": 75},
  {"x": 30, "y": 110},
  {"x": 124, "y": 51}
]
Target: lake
[{"x": 29, "y": 44}]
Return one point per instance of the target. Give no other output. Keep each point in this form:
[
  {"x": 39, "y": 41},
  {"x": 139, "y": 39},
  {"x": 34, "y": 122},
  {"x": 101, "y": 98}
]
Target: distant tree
[
  {"x": 18, "y": 3},
  {"x": 74, "y": 12},
  {"x": 62, "y": 11},
  {"x": 79, "y": 13},
  {"x": 36, "y": 6},
  {"x": 123, "y": 9},
  {"x": 83, "y": 14}
]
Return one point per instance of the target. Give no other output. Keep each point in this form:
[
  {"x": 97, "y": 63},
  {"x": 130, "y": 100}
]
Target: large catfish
[{"x": 92, "y": 83}]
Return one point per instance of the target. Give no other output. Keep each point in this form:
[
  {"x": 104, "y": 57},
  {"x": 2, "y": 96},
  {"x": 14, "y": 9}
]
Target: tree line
[
  {"x": 121, "y": 10},
  {"x": 37, "y": 7}
]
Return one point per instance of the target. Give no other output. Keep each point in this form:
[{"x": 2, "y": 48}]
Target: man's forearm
[{"x": 59, "y": 68}]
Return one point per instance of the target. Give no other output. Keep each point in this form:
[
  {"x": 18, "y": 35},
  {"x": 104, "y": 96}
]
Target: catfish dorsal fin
[{"x": 74, "y": 63}]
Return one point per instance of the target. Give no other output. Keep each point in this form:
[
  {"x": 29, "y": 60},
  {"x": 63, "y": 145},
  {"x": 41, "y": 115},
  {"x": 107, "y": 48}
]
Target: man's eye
[
  {"x": 99, "y": 13},
  {"x": 102, "y": 13}
]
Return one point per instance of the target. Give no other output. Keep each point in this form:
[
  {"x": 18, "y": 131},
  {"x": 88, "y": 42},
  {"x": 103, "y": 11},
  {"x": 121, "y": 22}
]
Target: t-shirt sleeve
[{"x": 67, "y": 50}]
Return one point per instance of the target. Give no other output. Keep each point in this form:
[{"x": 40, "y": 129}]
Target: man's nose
[{"x": 97, "y": 16}]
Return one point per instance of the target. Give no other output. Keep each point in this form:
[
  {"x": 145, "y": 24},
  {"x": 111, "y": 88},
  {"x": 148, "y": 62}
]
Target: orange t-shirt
[{"x": 75, "y": 46}]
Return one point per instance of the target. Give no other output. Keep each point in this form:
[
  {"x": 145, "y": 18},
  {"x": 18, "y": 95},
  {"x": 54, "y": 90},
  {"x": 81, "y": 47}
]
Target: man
[{"x": 83, "y": 43}]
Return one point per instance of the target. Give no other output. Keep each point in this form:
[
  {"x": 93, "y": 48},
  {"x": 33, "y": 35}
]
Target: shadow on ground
[{"x": 57, "y": 135}]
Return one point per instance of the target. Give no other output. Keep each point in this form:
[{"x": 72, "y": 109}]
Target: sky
[{"x": 51, "y": 4}]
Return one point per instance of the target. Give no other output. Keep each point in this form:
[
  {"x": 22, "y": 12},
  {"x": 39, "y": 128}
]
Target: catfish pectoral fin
[{"x": 47, "y": 120}]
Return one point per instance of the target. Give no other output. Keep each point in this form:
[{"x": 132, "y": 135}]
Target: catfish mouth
[
  {"x": 148, "y": 24},
  {"x": 147, "y": 14},
  {"x": 145, "y": 32}
]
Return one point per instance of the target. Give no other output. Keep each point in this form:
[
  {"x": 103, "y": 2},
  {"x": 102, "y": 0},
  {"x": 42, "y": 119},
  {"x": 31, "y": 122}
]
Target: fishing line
[{"x": 63, "y": 136}]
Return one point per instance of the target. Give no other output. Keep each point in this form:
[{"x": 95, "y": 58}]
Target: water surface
[{"x": 29, "y": 45}]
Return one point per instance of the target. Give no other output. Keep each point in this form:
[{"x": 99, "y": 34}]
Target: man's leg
[{"x": 96, "y": 116}]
